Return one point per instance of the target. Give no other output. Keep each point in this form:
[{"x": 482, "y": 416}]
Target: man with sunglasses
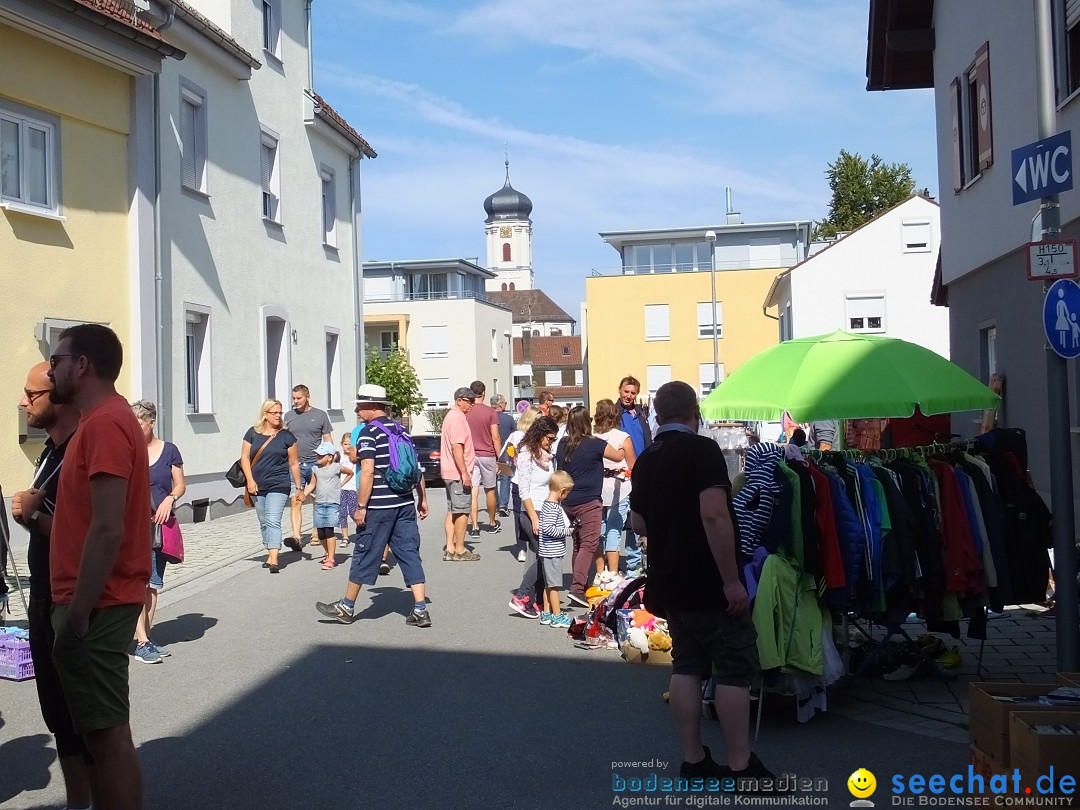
[
  {"x": 33, "y": 508},
  {"x": 456, "y": 463}
]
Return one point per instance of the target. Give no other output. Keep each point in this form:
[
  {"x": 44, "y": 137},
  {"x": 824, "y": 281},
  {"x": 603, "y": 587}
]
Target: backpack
[{"x": 403, "y": 473}]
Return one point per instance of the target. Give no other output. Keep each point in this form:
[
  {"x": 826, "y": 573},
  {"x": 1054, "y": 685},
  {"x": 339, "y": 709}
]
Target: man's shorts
[
  {"x": 94, "y": 668},
  {"x": 484, "y": 472},
  {"x": 54, "y": 708},
  {"x": 711, "y": 641},
  {"x": 458, "y": 501},
  {"x": 305, "y": 477}
]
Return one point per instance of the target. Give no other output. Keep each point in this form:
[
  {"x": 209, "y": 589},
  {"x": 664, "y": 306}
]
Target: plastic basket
[{"x": 15, "y": 661}]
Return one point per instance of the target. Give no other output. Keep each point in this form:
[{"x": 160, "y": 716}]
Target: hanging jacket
[
  {"x": 754, "y": 504},
  {"x": 852, "y": 540},
  {"x": 963, "y": 569},
  {"x": 788, "y": 618},
  {"x": 832, "y": 563}
]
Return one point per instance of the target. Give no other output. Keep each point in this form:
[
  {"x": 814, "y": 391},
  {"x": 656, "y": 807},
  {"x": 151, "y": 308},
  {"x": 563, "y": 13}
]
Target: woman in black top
[
  {"x": 271, "y": 476},
  {"x": 582, "y": 455}
]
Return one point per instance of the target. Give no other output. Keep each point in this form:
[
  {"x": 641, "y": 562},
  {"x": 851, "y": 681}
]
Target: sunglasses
[{"x": 54, "y": 361}]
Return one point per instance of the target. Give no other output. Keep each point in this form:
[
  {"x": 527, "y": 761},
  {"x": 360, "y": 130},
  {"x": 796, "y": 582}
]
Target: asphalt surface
[{"x": 266, "y": 704}]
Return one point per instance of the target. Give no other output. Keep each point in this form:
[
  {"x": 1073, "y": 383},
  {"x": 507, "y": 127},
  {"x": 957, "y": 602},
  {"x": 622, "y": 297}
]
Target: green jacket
[{"x": 788, "y": 618}]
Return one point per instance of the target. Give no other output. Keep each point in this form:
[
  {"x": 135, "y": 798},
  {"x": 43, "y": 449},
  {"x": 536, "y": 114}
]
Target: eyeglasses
[
  {"x": 551, "y": 438},
  {"x": 31, "y": 396},
  {"x": 273, "y": 413},
  {"x": 54, "y": 361}
]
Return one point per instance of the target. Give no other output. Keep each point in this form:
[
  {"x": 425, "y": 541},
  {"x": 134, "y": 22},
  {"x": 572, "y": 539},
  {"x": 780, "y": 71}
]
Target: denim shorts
[
  {"x": 326, "y": 516},
  {"x": 305, "y": 477},
  {"x": 157, "y": 570},
  {"x": 396, "y": 528}
]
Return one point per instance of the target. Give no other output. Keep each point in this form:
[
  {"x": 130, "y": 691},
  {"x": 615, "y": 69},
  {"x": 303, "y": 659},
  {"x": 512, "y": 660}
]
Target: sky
[{"x": 616, "y": 115}]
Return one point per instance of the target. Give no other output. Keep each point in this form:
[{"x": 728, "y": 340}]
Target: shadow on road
[
  {"x": 35, "y": 754},
  {"x": 187, "y": 627}
]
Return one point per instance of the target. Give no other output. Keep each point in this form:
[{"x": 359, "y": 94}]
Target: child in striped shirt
[{"x": 554, "y": 528}]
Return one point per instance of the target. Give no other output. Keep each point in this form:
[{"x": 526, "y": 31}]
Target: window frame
[
  {"x": 870, "y": 295},
  {"x": 706, "y": 327},
  {"x": 907, "y": 228},
  {"x": 25, "y": 118},
  {"x": 328, "y": 183},
  {"x": 195, "y": 96},
  {"x": 333, "y": 368},
  {"x": 433, "y": 348},
  {"x": 198, "y": 368},
  {"x": 649, "y": 378},
  {"x": 657, "y": 336},
  {"x": 271, "y": 28},
  {"x": 432, "y": 402},
  {"x": 270, "y": 186}
]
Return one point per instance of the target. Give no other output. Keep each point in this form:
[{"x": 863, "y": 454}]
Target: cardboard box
[
  {"x": 989, "y": 710},
  {"x": 636, "y": 656},
  {"x": 984, "y": 765},
  {"x": 1045, "y": 743}
]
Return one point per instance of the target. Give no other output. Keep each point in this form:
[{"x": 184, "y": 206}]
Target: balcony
[
  {"x": 431, "y": 296},
  {"x": 638, "y": 270}
]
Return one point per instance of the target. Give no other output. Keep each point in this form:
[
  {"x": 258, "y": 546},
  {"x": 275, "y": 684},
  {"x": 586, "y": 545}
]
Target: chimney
[
  {"x": 526, "y": 347},
  {"x": 733, "y": 216}
]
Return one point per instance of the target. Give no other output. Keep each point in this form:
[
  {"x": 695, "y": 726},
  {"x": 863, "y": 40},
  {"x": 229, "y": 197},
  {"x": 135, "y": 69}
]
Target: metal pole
[
  {"x": 710, "y": 237},
  {"x": 1057, "y": 387}
]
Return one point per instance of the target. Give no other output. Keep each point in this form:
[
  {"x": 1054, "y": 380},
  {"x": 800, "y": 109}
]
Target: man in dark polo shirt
[
  {"x": 311, "y": 427},
  {"x": 34, "y": 509},
  {"x": 681, "y": 501}
]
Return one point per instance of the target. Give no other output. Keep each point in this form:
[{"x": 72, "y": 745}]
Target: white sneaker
[{"x": 521, "y": 556}]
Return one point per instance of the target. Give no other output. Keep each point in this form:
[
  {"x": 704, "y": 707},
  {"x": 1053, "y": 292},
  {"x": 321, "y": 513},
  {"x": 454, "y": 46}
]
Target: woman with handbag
[
  {"x": 269, "y": 459},
  {"x": 166, "y": 486}
]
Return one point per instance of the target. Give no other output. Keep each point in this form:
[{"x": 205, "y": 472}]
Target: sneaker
[
  {"x": 146, "y": 654},
  {"x": 578, "y": 599},
  {"x": 343, "y": 544},
  {"x": 384, "y": 569},
  {"x": 524, "y": 606},
  {"x": 560, "y": 620},
  {"x": 707, "y": 768},
  {"x": 503, "y": 511},
  {"x": 419, "y": 618},
  {"x": 545, "y": 617},
  {"x": 468, "y": 556},
  {"x": 162, "y": 651},
  {"x": 336, "y": 610},
  {"x": 754, "y": 769},
  {"x": 951, "y": 658},
  {"x": 521, "y": 556},
  {"x": 474, "y": 532},
  {"x": 493, "y": 528}
]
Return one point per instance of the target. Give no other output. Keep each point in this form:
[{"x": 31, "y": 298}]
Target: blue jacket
[{"x": 852, "y": 537}]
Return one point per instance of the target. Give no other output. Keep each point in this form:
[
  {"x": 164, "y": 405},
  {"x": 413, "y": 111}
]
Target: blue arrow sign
[
  {"x": 1042, "y": 168},
  {"x": 1061, "y": 318}
]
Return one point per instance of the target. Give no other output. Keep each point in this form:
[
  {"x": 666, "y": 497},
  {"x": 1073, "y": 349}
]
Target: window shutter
[
  {"x": 189, "y": 176},
  {"x": 1072, "y": 13},
  {"x": 984, "y": 126},
  {"x": 267, "y": 166},
  {"x": 657, "y": 325},
  {"x": 957, "y": 116}
]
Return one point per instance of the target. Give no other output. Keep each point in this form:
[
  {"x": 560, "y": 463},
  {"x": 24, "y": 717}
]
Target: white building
[
  {"x": 508, "y": 235},
  {"x": 875, "y": 280},
  {"x": 259, "y": 235},
  {"x": 452, "y": 331}
]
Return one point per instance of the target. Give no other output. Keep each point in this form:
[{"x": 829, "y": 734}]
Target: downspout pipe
[
  {"x": 164, "y": 402},
  {"x": 358, "y": 311}
]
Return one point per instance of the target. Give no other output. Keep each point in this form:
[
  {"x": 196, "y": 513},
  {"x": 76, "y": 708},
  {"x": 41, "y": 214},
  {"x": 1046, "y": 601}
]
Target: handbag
[
  {"x": 172, "y": 541},
  {"x": 235, "y": 474}
]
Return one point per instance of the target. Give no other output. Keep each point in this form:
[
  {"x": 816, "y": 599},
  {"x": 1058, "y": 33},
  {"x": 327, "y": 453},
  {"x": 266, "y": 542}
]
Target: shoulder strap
[{"x": 261, "y": 448}]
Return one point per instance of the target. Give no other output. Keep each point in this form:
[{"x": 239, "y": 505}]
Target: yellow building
[
  {"x": 652, "y": 317},
  {"x": 77, "y": 166}
]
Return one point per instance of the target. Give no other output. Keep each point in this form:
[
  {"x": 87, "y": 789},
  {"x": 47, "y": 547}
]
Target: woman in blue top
[
  {"x": 270, "y": 475},
  {"x": 167, "y": 485}
]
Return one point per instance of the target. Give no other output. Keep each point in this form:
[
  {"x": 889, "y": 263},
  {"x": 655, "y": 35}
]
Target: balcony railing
[
  {"x": 636, "y": 270},
  {"x": 430, "y": 296}
]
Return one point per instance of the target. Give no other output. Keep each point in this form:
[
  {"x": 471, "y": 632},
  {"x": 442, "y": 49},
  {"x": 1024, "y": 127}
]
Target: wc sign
[{"x": 1042, "y": 168}]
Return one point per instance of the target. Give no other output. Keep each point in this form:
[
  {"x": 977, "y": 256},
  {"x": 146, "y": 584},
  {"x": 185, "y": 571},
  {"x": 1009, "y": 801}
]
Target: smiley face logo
[{"x": 862, "y": 783}]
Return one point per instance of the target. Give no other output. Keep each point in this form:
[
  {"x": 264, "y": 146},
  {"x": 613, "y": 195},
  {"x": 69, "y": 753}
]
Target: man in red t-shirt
[
  {"x": 484, "y": 424},
  {"x": 99, "y": 555}
]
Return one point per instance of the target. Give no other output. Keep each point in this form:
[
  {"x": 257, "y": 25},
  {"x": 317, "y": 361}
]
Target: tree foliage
[
  {"x": 435, "y": 418},
  {"x": 394, "y": 373},
  {"x": 861, "y": 189}
]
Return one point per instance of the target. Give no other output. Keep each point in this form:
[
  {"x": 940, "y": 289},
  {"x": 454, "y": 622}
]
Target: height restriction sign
[{"x": 1051, "y": 260}]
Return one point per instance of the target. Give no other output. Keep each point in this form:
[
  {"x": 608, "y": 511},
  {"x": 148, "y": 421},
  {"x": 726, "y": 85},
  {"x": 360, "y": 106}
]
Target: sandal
[
  {"x": 328, "y": 563},
  {"x": 343, "y": 544}
]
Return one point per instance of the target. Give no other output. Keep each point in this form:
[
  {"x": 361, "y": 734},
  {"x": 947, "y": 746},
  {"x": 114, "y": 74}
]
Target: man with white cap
[{"x": 383, "y": 516}]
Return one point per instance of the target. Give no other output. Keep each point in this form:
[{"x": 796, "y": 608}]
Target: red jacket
[
  {"x": 832, "y": 564},
  {"x": 963, "y": 568}
]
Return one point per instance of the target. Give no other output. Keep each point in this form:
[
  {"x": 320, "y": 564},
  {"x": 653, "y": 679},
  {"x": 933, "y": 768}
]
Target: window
[
  {"x": 552, "y": 378},
  {"x": 388, "y": 341},
  {"x": 506, "y": 251},
  {"x": 866, "y": 313},
  {"x": 333, "y": 369},
  {"x": 28, "y": 160},
  {"x": 494, "y": 345},
  {"x": 1067, "y": 47},
  {"x": 197, "y": 359},
  {"x": 436, "y": 392},
  {"x": 555, "y": 333},
  {"x": 655, "y": 376},
  {"x": 427, "y": 285},
  {"x": 566, "y": 351},
  {"x": 657, "y": 326},
  {"x": 916, "y": 236},
  {"x": 277, "y": 342},
  {"x": 988, "y": 352},
  {"x": 504, "y": 287},
  {"x": 193, "y": 138},
  {"x": 705, "y": 377},
  {"x": 435, "y": 340},
  {"x": 579, "y": 376},
  {"x": 329, "y": 207},
  {"x": 271, "y": 176},
  {"x": 706, "y": 327},
  {"x": 511, "y": 285},
  {"x": 271, "y": 11},
  {"x": 972, "y": 120}
]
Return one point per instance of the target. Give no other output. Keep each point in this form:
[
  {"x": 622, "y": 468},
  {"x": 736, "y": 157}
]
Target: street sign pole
[{"x": 1057, "y": 388}]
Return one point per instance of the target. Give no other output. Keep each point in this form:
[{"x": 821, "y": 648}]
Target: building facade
[
  {"x": 653, "y": 317},
  {"x": 552, "y": 364},
  {"x": 77, "y": 167},
  {"x": 508, "y": 238},
  {"x": 875, "y": 280},
  {"x": 437, "y": 310}
]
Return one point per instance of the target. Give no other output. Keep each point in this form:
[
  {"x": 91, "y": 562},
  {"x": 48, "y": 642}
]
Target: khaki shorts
[
  {"x": 484, "y": 472},
  {"x": 458, "y": 499},
  {"x": 93, "y": 668}
]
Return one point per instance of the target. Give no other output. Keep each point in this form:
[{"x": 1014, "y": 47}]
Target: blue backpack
[{"x": 404, "y": 472}]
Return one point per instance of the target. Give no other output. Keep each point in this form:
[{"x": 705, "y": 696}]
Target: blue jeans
[
  {"x": 269, "y": 508},
  {"x": 614, "y": 520},
  {"x": 502, "y": 492}
]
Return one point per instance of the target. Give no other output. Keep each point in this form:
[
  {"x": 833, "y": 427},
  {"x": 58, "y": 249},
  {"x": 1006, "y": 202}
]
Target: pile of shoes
[{"x": 908, "y": 661}]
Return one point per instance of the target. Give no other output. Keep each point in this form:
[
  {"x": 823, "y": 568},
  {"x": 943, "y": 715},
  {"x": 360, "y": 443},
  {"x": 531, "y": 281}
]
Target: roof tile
[
  {"x": 558, "y": 351},
  {"x": 530, "y": 305}
]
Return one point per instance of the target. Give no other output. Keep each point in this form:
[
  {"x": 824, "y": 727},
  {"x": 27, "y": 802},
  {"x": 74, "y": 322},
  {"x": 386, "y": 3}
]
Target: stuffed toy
[
  {"x": 659, "y": 641},
  {"x": 638, "y": 638},
  {"x": 643, "y": 619}
]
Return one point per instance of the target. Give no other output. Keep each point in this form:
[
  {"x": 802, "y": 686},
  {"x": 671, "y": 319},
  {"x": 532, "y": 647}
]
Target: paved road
[{"x": 266, "y": 704}]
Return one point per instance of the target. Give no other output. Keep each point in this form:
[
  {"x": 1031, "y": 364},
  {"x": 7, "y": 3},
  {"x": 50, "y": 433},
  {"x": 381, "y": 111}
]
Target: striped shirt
[
  {"x": 554, "y": 527},
  {"x": 375, "y": 444}
]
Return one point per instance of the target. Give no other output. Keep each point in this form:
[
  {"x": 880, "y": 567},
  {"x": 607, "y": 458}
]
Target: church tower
[{"x": 508, "y": 230}]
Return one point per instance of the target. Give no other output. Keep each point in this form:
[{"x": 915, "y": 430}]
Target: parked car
[{"x": 428, "y": 452}]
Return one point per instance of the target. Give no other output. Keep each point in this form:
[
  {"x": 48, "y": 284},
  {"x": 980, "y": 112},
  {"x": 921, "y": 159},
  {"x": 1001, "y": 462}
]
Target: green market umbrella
[{"x": 845, "y": 376}]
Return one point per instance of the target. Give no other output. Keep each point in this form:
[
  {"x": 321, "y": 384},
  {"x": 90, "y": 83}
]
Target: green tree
[
  {"x": 394, "y": 373},
  {"x": 861, "y": 189},
  {"x": 435, "y": 418}
]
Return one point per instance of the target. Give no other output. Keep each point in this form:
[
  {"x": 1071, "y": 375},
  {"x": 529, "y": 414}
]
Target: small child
[
  {"x": 326, "y": 484},
  {"x": 347, "y": 504},
  {"x": 554, "y": 528}
]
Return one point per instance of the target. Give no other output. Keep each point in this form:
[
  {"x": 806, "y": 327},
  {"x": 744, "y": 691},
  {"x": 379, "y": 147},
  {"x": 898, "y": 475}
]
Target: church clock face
[{"x": 505, "y": 232}]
